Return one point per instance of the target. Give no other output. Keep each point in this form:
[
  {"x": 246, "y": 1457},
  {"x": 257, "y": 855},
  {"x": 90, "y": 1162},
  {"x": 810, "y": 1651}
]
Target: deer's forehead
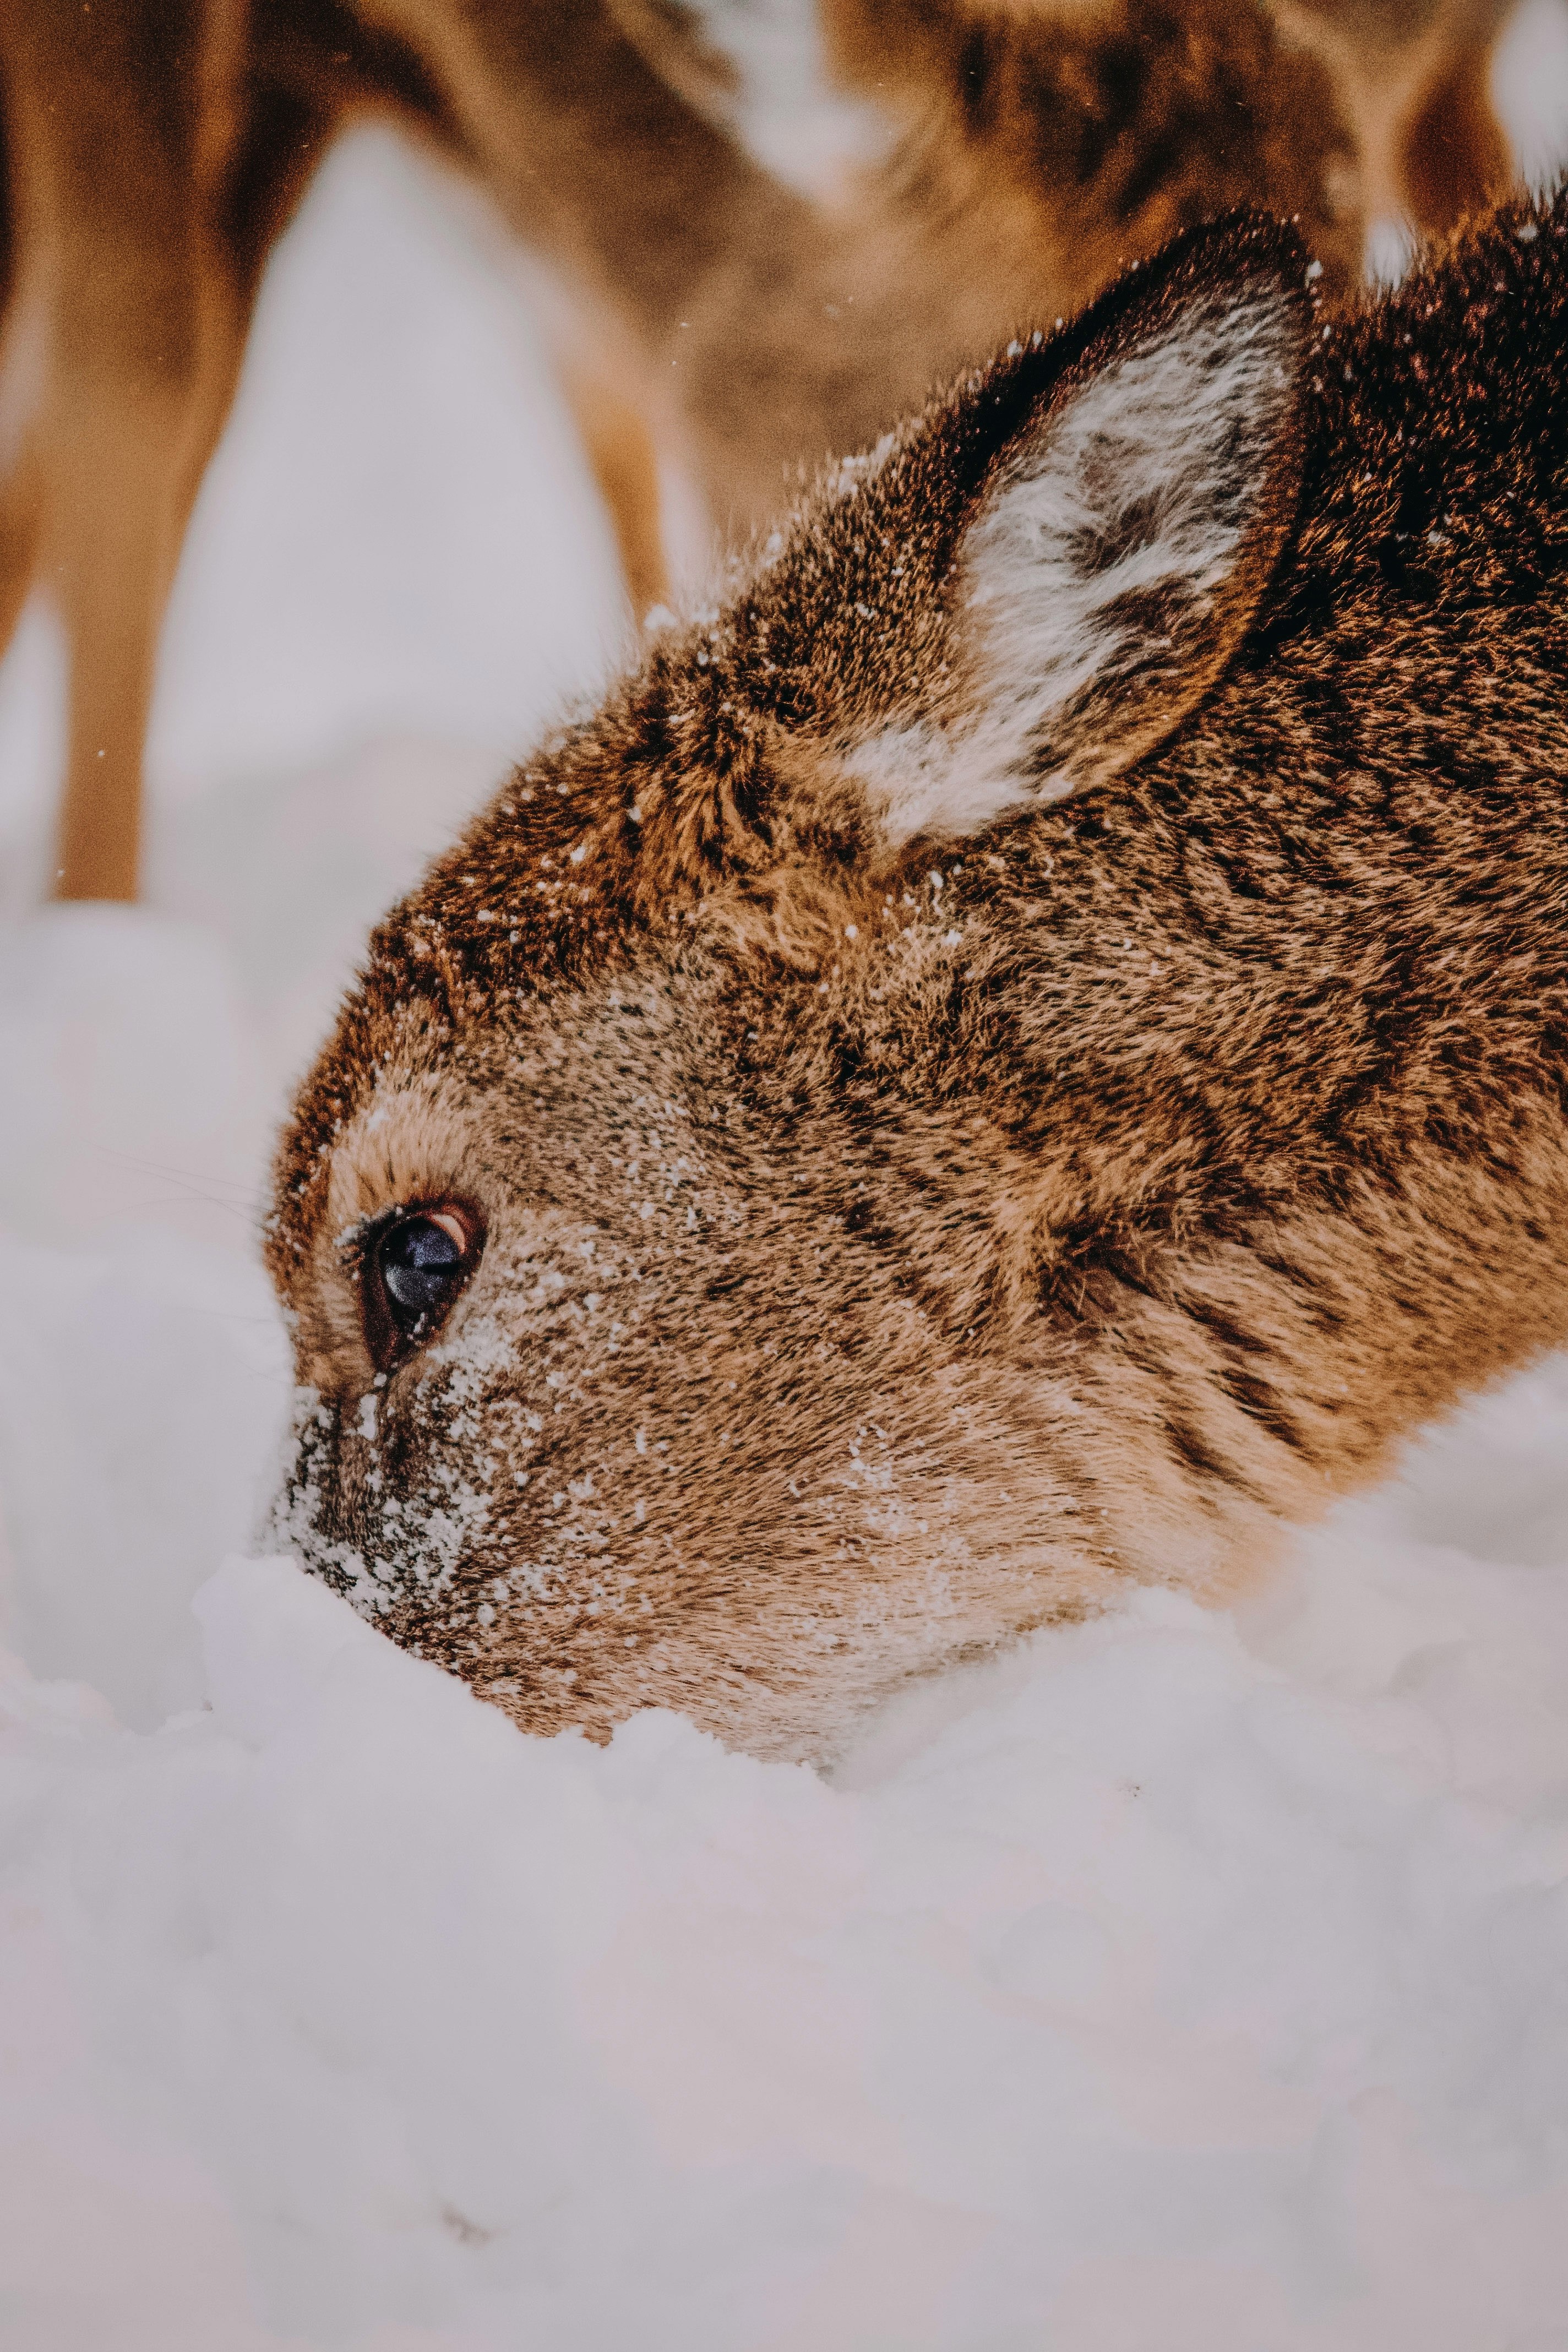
[{"x": 541, "y": 1099}]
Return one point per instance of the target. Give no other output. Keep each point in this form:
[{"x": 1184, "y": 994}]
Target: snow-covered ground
[{"x": 1188, "y": 1980}]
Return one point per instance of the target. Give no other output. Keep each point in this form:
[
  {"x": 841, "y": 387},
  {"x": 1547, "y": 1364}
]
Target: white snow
[{"x": 1191, "y": 1981}]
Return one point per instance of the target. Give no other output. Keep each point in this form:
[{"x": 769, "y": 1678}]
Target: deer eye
[{"x": 414, "y": 1270}]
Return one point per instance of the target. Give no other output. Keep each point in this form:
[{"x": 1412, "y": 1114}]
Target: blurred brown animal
[
  {"x": 1026, "y": 1052},
  {"x": 1414, "y": 77},
  {"x": 155, "y": 149}
]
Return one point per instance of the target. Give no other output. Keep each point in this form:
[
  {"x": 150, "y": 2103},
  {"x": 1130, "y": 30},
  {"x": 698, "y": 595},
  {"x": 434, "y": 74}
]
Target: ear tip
[
  {"x": 1245, "y": 252},
  {"x": 1246, "y": 243}
]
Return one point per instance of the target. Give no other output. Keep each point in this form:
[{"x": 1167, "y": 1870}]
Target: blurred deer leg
[
  {"x": 156, "y": 365},
  {"x": 125, "y": 447},
  {"x": 108, "y": 563},
  {"x": 24, "y": 367},
  {"x": 118, "y": 123},
  {"x": 18, "y": 541},
  {"x": 1453, "y": 157},
  {"x": 621, "y": 453}
]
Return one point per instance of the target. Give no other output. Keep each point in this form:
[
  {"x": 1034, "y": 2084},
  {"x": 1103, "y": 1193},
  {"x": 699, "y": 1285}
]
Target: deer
[
  {"x": 705, "y": 311},
  {"x": 1019, "y": 1053}
]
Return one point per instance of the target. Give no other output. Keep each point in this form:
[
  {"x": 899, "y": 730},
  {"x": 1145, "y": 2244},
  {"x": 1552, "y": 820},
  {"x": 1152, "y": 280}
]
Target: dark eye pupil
[{"x": 420, "y": 1268}]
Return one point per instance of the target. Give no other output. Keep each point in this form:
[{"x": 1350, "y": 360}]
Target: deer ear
[{"x": 1116, "y": 541}]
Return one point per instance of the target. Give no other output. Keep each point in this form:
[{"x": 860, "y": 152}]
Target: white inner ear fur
[{"x": 1144, "y": 483}]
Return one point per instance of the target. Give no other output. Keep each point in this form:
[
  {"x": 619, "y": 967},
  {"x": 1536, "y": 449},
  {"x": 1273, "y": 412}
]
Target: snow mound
[{"x": 1197, "y": 1979}]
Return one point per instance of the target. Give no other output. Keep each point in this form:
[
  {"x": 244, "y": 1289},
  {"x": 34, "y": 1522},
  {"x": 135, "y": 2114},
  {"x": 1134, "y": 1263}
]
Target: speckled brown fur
[{"x": 889, "y": 1250}]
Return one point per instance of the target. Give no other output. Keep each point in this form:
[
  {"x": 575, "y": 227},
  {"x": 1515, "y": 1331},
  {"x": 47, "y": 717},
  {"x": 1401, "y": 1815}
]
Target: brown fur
[
  {"x": 890, "y": 1248},
  {"x": 155, "y": 148}
]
